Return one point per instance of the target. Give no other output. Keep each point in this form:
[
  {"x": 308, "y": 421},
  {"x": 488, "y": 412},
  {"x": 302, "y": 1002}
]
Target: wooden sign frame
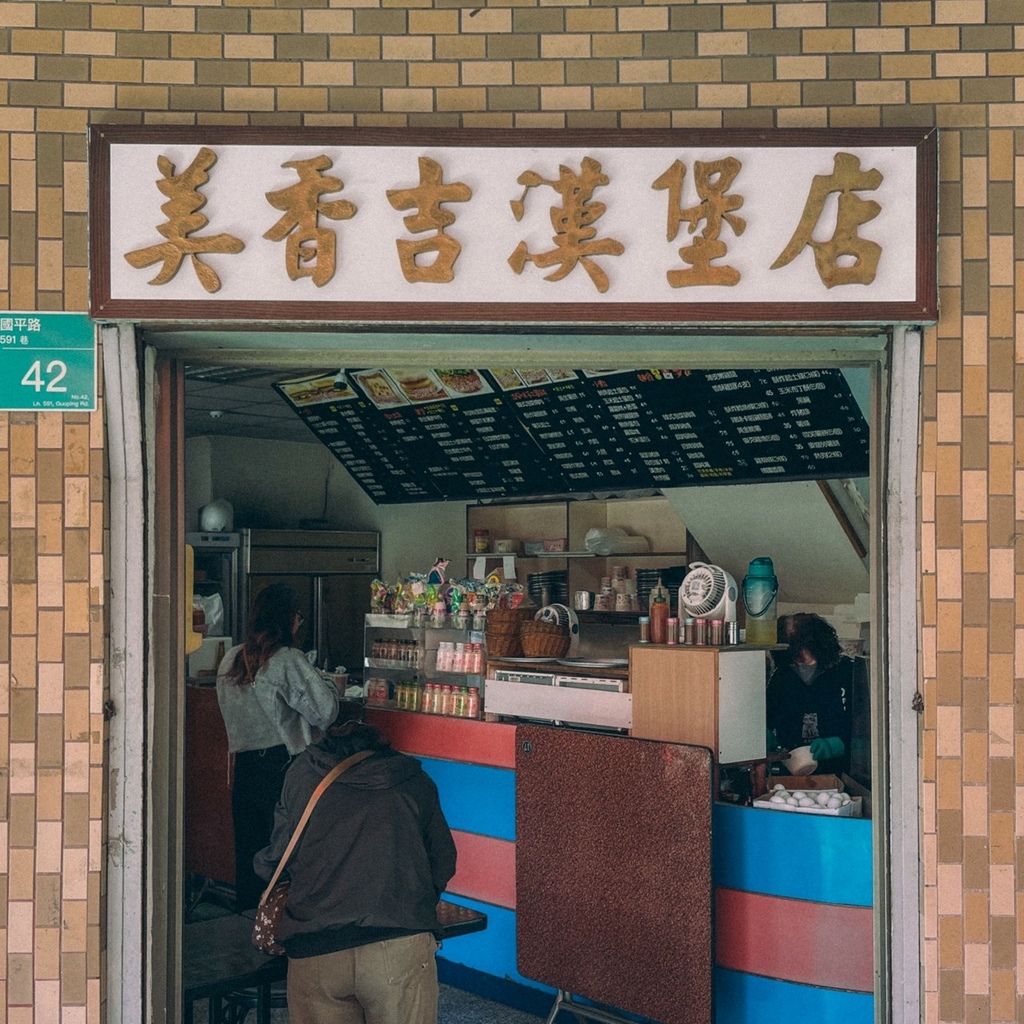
[{"x": 918, "y": 306}]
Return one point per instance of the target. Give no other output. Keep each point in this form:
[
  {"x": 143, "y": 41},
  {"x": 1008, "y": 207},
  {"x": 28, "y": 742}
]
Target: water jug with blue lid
[{"x": 760, "y": 588}]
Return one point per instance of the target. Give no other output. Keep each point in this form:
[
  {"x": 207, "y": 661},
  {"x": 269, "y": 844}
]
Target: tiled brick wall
[{"x": 957, "y": 64}]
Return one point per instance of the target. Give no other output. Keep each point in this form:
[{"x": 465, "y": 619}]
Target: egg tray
[{"x": 853, "y": 809}]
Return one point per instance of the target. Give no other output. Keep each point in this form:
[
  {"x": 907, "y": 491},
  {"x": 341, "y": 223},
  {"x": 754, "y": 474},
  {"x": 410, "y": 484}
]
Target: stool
[{"x": 238, "y": 1004}]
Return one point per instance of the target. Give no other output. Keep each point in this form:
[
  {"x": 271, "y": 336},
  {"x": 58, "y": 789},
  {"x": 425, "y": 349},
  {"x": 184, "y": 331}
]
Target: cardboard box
[
  {"x": 813, "y": 784},
  {"x": 854, "y": 788},
  {"x": 761, "y": 782}
]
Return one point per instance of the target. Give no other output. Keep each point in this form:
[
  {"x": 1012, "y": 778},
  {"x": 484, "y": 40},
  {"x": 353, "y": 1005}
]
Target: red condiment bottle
[{"x": 659, "y": 615}]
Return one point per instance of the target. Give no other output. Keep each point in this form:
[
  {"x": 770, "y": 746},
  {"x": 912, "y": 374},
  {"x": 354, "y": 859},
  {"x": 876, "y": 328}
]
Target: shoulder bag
[{"x": 275, "y": 896}]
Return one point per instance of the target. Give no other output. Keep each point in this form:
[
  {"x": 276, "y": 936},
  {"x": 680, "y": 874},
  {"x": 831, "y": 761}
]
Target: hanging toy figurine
[{"x": 437, "y": 572}]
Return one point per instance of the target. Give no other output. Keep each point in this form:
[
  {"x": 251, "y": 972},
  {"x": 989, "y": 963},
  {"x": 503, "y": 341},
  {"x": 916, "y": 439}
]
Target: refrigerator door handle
[{"x": 319, "y": 626}]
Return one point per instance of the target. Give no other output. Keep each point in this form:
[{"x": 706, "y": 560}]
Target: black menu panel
[
  {"x": 728, "y": 426},
  {"x": 579, "y": 436},
  {"x": 447, "y": 434},
  {"x": 430, "y": 435}
]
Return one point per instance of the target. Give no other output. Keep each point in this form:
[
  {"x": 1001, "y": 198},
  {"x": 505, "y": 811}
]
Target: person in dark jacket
[
  {"x": 808, "y": 697},
  {"x": 360, "y": 926}
]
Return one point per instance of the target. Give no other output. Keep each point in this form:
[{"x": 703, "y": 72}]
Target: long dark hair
[{"x": 270, "y": 627}]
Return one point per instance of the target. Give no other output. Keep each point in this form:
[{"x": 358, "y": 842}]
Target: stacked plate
[
  {"x": 647, "y": 579},
  {"x": 548, "y": 587}
]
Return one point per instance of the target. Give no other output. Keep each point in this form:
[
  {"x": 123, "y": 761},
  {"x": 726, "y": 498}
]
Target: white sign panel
[{"x": 410, "y": 229}]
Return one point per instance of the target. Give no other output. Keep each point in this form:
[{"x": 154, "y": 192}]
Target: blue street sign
[{"x": 47, "y": 362}]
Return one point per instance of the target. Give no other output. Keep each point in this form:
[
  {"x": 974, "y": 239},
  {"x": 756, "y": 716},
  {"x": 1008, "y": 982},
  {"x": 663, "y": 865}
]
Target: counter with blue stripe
[{"x": 793, "y": 892}]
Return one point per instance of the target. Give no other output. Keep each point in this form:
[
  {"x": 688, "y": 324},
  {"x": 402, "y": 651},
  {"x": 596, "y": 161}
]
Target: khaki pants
[{"x": 390, "y": 982}]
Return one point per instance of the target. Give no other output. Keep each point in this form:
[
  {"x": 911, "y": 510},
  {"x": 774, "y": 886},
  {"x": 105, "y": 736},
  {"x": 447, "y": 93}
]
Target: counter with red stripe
[{"x": 793, "y": 893}]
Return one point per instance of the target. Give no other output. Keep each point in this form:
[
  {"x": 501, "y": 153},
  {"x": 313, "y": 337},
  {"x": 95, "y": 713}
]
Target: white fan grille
[{"x": 703, "y": 588}]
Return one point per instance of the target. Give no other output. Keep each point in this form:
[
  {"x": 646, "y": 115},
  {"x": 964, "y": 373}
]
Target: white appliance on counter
[{"x": 559, "y": 698}]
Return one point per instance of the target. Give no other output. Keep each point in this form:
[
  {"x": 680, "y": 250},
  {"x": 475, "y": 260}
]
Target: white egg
[
  {"x": 792, "y": 801},
  {"x": 778, "y": 798},
  {"x": 806, "y": 801},
  {"x": 778, "y": 786},
  {"x": 844, "y": 798},
  {"x": 834, "y": 802},
  {"x": 798, "y": 793}
]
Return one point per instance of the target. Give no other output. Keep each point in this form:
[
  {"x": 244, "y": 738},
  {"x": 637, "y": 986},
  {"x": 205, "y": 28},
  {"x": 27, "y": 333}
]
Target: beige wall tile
[
  {"x": 960, "y": 12},
  {"x": 486, "y": 20},
  {"x": 720, "y": 44},
  {"x": 150, "y": 59}
]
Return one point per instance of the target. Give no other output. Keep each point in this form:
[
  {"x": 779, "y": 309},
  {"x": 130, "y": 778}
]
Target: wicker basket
[
  {"x": 543, "y": 640},
  {"x": 503, "y": 631},
  {"x": 507, "y": 620},
  {"x": 504, "y": 645}
]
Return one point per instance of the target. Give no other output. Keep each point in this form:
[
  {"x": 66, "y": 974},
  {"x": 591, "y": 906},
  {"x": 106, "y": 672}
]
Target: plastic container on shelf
[{"x": 613, "y": 540}]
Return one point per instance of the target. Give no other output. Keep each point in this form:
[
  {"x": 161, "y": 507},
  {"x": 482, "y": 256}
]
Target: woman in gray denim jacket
[{"x": 274, "y": 704}]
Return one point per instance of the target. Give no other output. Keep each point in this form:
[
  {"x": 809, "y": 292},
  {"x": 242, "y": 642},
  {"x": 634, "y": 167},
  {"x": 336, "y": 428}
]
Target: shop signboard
[
  {"x": 47, "y": 362},
  {"x": 426, "y": 434},
  {"x": 374, "y": 225}
]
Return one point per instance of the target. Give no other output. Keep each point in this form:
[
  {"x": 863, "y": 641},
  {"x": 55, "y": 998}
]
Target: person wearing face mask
[
  {"x": 808, "y": 696},
  {"x": 274, "y": 704}
]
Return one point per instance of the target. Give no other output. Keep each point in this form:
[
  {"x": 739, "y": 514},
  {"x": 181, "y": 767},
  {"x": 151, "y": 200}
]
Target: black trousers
[{"x": 259, "y": 777}]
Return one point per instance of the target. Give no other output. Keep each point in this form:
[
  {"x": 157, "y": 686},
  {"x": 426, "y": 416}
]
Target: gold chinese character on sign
[
  {"x": 311, "y": 249},
  {"x": 573, "y": 223},
  {"x": 846, "y": 178},
  {"x": 184, "y": 202},
  {"x": 712, "y": 181},
  {"x": 426, "y": 198}
]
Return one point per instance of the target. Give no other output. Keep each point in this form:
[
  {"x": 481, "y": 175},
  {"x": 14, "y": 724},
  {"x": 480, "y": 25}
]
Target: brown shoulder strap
[{"x": 316, "y": 794}]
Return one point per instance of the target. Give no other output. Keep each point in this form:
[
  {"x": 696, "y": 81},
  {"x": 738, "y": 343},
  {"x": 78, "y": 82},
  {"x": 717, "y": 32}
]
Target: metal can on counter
[
  {"x": 672, "y": 633},
  {"x": 700, "y": 632},
  {"x": 732, "y": 633},
  {"x": 716, "y": 632},
  {"x": 688, "y": 630}
]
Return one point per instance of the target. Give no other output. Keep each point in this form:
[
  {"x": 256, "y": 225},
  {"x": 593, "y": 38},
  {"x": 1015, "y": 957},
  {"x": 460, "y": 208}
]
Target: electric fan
[{"x": 708, "y": 592}]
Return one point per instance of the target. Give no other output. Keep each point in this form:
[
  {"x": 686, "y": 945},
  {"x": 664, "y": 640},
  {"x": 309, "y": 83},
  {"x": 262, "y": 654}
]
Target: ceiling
[{"x": 234, "y": 401}]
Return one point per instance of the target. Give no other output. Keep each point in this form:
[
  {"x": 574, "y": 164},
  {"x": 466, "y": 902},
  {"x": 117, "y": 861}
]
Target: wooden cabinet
[
  {"x": 570, "y": 521},
  {"x": 709, "y": 696}
]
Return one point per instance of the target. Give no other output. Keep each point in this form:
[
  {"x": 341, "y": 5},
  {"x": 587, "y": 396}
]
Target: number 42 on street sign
[{"x": 47, "y": 362}]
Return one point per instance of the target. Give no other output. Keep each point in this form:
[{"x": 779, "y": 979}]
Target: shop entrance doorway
[{"x": 880, "y": 360}]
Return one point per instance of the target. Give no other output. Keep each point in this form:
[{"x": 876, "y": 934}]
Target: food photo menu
[{"x": 434, "y": 434}]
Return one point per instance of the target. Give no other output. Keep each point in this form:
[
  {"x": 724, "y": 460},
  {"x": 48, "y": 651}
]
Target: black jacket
[
  {"x": 376, "y": 853},
  {"x": 800, "y": 712}
]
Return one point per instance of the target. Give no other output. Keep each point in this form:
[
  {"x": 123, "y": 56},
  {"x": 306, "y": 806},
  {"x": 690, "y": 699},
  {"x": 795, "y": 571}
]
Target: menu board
[
  {"x": 728, "y": 426},
  {"x": 430, "y": 435},
  {"x": 448, "y": 434}
]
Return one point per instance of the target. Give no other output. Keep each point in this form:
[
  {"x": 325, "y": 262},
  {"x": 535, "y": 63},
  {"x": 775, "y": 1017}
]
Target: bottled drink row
[
  {"x": 431, "y": 699},
  {"x": 464, "y": 658}
]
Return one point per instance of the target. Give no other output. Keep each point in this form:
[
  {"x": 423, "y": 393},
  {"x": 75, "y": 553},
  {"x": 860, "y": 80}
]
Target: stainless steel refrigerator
[{"x": 329, "y": 570}]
